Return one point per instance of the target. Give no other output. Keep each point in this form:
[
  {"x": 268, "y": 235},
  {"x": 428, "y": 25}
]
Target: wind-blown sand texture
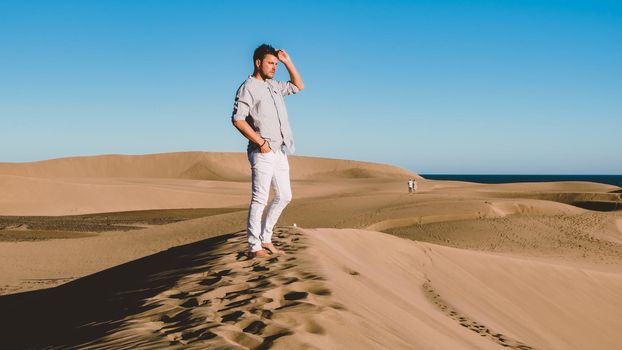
[{"x": 459, "y": 265}]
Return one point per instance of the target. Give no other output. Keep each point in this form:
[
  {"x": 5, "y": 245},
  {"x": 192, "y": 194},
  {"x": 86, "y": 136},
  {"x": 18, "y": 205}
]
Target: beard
[{"x": 267, "y": 75}]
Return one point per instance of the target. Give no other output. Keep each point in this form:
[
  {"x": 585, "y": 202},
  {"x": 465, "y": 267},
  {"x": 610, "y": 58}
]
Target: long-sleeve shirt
[{"x": 261, "y": 104}]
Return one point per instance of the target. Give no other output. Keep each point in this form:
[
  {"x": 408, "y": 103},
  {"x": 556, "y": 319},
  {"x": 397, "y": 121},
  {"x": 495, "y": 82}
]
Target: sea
[{"x": 615, "y": 180}]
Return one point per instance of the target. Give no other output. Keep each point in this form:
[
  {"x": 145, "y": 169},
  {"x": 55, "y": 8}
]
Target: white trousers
[{"x": 267, "y": 168}]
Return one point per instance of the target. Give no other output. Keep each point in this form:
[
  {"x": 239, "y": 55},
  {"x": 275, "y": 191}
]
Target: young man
[{"x": 259, "y": 114}]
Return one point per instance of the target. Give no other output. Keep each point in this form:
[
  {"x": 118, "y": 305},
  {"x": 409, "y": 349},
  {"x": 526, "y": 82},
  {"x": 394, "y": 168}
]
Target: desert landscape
[{"x": 148, "y": 251}]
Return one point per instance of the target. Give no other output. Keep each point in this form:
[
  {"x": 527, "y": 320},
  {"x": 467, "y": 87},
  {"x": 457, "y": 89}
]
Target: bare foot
[
  {"x": 272, "y": 248},
  {"x": 258, "y": 254}
]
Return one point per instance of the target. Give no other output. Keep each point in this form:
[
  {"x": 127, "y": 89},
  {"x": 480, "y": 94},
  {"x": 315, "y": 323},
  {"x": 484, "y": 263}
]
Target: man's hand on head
[
  {"x": 283, "y": 56},
  {"x": 293, "y": 73}
]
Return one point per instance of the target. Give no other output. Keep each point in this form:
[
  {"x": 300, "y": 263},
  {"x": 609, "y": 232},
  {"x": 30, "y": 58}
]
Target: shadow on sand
[
  {"x": 93, "y": 306},
  {"x": 599, "y": 205}
]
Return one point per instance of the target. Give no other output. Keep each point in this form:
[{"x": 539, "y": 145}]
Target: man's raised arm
[{"x": 291, "y": 69}]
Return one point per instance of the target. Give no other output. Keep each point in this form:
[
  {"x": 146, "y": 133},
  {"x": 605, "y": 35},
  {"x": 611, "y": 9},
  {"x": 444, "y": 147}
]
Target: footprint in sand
[
  {"x": 469, "y": 323},
  {"x": 237, "y": 302}
]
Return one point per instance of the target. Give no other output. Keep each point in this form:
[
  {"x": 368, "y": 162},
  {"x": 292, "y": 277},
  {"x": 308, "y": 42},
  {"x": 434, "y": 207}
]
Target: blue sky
[{"x": 433, "y": 86}]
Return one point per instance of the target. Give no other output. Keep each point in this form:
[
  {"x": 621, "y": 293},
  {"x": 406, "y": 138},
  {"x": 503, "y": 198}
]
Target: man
[
  {"x": 259, "y": 114},
  {"x": 410, "y": 185}
]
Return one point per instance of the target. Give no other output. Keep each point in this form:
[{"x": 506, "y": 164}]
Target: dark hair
[{"x": 262, "y": 51}]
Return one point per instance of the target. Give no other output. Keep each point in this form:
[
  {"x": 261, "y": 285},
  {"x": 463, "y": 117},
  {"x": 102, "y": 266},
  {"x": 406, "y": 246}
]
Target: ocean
[{"x": 615, "y": 180}]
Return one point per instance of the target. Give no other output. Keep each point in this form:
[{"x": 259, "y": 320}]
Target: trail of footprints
[
  {"x": 470, "y": 324},
  {"x": 240, "y": 303},
  {"x": 233, "y": 302}
]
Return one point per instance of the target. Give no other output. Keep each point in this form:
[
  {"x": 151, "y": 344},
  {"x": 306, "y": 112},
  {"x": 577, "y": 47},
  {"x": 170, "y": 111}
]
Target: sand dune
[
  {"x": 333, "y": 289},
  {"x": 216, "y": 166},
  {"x": 113, "y": 183},
  {"x": 451, "y": 210},
  {"x": 60, "y": 196},
  {"x": 188, "y": 165},
  {"x": 424, "y": 296},
  {"x": 466, "y": 266},
  {"x": 521, "y": 187},
  {"x": 203, "y": 294}
]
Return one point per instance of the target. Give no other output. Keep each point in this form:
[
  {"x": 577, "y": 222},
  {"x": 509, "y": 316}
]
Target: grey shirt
[{"x": 261, "y": 104}]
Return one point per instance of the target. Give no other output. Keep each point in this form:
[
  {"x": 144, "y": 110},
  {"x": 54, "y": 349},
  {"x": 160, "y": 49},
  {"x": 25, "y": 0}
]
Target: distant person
[
  {"x": 259, "y": 114},
  {"x": 414, "y": 185},
  {"x": 410, "y": 185}
]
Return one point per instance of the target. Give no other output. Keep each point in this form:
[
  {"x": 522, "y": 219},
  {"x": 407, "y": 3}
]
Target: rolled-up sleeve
[
  {"x": 242, "y": 104},
  {"x": 287, "y": 87}
]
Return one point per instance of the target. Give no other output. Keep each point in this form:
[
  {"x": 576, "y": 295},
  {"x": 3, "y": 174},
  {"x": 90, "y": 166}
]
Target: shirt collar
[{"x": 252, "y": 79}]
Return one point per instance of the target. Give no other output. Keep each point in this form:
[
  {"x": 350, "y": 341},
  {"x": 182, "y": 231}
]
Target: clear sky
[{"x": 433, "y": 86}]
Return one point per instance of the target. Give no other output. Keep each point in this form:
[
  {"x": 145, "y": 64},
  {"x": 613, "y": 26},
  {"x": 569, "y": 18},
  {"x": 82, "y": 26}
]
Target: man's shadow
[{"x": 91, "y": 307}]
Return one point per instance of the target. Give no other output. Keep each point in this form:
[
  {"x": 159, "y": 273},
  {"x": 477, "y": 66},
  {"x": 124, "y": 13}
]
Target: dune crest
[
  {"x": 417, "y": 295},
  {"x": 216, "y": 166},
  {"x": 111, "y": 183}
]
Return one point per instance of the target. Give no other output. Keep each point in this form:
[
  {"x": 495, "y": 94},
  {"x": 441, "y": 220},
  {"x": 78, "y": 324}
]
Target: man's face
[{"x": 267, "y": 66}]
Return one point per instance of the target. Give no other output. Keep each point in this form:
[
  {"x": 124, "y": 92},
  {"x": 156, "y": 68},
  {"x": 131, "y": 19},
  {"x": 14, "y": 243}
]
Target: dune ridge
[
  {"x": 216, "y": 166},
  {"x": 429, "y": 296},
  {"x": 111, "y": 183}
]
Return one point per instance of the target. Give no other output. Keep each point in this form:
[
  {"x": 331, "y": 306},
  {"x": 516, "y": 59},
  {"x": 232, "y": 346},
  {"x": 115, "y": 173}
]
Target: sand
[{"x": 148, "y": 251}]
